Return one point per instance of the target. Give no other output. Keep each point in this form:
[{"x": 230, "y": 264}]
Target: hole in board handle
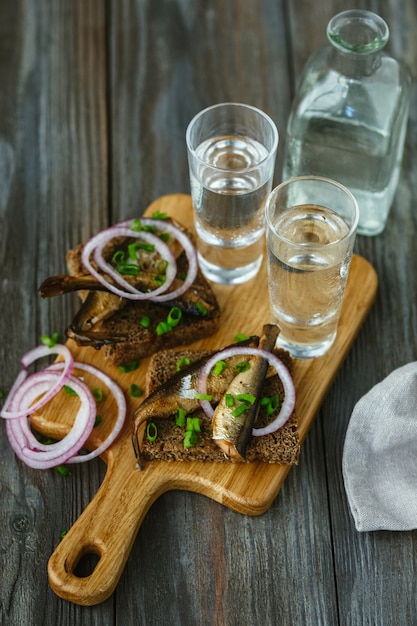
[{"x": 87, "y": 562}]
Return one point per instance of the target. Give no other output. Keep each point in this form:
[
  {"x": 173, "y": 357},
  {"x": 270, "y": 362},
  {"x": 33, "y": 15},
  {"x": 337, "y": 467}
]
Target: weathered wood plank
[
  {"x": 53, "y": 160},
  {"x": 96, "y": 99}
]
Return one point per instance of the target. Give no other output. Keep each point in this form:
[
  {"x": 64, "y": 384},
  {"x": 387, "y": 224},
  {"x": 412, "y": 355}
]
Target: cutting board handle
[{"x": 106, "y": 531}]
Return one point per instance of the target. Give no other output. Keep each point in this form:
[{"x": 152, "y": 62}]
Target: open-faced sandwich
[
  {"x": 141, "y": 290},
  {"x": 237, "y": 404}
]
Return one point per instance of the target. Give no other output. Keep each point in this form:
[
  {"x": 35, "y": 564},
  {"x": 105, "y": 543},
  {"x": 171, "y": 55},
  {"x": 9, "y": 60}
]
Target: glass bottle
[{"x": 349, "y": 116}]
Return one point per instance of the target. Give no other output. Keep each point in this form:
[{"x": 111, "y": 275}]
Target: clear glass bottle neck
[{"x": 357, "y": 38}]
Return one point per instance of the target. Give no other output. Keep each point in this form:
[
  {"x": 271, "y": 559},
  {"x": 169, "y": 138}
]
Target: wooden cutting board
[{"x": 108, "y": 526}]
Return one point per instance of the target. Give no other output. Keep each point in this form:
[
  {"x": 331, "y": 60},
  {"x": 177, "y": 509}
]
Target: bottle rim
[{"x": 358, "y": 31}]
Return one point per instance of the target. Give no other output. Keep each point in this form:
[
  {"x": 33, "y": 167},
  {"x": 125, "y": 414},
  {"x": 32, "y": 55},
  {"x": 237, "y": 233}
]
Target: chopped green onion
[
  {"x": 219, "y": 368},
  {"x": 48, "y": 341},
  {"x": 180, "y": 417},
  {"x": 164, "y": 237},
  {"x": 151, "y": 431},
  {"x": 64, "y": 532},
  {"x": 129, "y": 367},
  {"x": 190, "y": 439},
  {"x": 158, "y": 215},
  {"x": 136, "y": 225},
  {"x": 273, "y": 404},
  {"x": 181, "y": 363},
  {"x": 118, "y": 257},
  {"x": 243, "y": 366},
  {"x": 70, "y": 391},
  {"x": 203, "y": 396},
  {"x": 248, "y": 398},
  {"x": 241, "y": 337},
  {"x": 174, "y": 316},
  {"x": 122, "y": 266},
  {"x": 145, "y": 321},
  {"x": 201, "y": 308},
  {"x": 196, "y": 424},
  {"x": 98, "y": 394},
  {"x": 158, "y": 279},
  {"x": 97, "y": 420},
  {"x": 240, "y": 409},
  {"x": 162, "y": 328},
  {"x": 149, "y": 247},
  {"x": 162, "y": 266},
  {"x": 131, "y": 248},
  {"x": 63, "y": 470},
  {"x": 135, "y": 390},
  {"x": 229, "y": 400}
]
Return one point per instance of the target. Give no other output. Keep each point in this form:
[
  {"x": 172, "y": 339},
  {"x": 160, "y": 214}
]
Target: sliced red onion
[
  {"x": 23, "y": 400},
  {"x": 288, "y": 404},
  {"x": 160, "y": 294},
  {"x": 98, "y": 242},
  {"x": 121, "y": 412},
  {"x": 28, "y": 359},
  {"x": 24, "y": 443}
]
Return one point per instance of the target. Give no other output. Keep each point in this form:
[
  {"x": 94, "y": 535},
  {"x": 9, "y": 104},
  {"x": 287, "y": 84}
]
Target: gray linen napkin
[{"x": 380, "y": 454}]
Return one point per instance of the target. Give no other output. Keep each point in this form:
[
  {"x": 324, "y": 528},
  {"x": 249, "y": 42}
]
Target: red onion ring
[
  {"x": 22, "y": 403},
  {"x": 96, "y": 245},
  {"x": 288, "y": 404},
  {"x": 24, "y": 443},
  {"x": 28, "y": 359},
  {"x": 160, "y": 294},
  {"x": 121, "y": 411}
]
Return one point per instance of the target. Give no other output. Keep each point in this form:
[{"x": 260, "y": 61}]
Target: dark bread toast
[
  {"x": 137, "y": 342},
  {"x": 282, "y": 446}
]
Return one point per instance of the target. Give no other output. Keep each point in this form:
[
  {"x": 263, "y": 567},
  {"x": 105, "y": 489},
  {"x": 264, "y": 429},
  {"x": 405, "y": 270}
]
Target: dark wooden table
[{"x": 95, "y": 100}]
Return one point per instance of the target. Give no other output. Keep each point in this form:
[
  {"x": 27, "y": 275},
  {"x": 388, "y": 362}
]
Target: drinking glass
[
  {"x": 231, "y": 153},
  {"x": 311, "y": 226}
]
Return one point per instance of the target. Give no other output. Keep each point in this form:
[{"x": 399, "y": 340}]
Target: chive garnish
[
  {"x": 98, "y": 394},
  {"x": 151, "y": 432},
  {"x": 50, "y": 341},
  {"x": 145, "y": 321},
  {"x": 135, "y": 390},
  {"x": 241, "y": 337},
  {"x": 240, "y": 409},
  {"x": 248, "y": 398},
  {"x": 203, "y": 396},
  {"x": 129, "y": 367},
  {"x": 181, "y": 363},
  {"x": 219, "y": 368},
  {"x": 158, "y": 279},
  {"x": 63, "y": 470},
  {"x": 70, "y": 391},
  {"x": 162, "y": 328},
  {"x": 97, "y": 420},
  {"x": 243, "y": 366},
  {"x": 190, "y": 439},
  {"x": 180, "y": 417},
  {"x": 158, "y": 215},
  {"x": 174, "y": 316},
  {"x": 136, "y": 225},
  {"x": 201, "y": 308},
  {"x": 229, "y": 400}
]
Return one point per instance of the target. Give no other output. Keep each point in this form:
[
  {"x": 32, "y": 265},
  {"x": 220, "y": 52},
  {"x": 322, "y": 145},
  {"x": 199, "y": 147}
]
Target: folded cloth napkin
[{"x": 380, "y": 454}]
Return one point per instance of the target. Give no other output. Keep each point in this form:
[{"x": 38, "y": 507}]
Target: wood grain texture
[
  {"x": 95, "y": 100},
  {"x": 110, "y": 523}
]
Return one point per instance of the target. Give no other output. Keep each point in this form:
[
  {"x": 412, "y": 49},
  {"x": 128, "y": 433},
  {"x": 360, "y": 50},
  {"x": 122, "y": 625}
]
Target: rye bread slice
[
  {"x": 283, "y": 446},
  {"x": 136, "y": 341}
]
